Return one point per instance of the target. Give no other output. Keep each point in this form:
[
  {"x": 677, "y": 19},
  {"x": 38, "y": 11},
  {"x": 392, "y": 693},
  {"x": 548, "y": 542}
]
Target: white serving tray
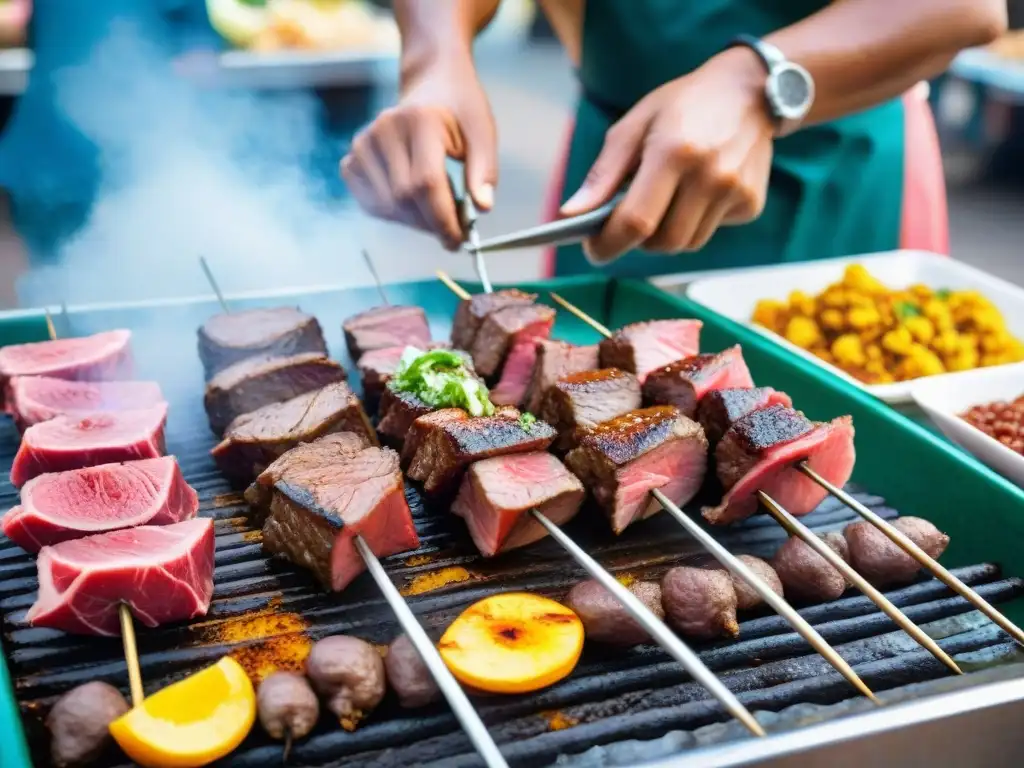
[
  {"x": 944, "y": 397},
  {"x": 735, "y": 295}
]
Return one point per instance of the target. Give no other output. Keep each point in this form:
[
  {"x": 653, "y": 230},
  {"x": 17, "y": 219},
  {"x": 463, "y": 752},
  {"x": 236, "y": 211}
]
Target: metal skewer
[
  {"x": 736, "y": 566},
  {"x": 898, "y": 538},
  {"x": 460, "y": 704},
  {"x": 467, "y": 219},
  {"x": 671, "y": 643},
  {"x": 376, "y": 277}
]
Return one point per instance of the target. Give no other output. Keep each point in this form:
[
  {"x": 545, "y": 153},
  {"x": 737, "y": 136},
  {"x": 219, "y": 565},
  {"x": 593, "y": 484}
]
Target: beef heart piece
[
  {"x": 386, "y": 326},
  {"x": 471, "y": 312},
  {"x": 231, "y": 337},
  {"x": 721, "y": 408},
  {"x": 555, "y": 359},
  {"x": 643, "y": 347},
  {"x": 581, "y": 401},
  {"x": 685, "y": 382}
]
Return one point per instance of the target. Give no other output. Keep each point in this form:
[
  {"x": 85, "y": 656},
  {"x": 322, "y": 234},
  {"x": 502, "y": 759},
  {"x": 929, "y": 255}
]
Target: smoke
[{"x": 188, "y": 171}]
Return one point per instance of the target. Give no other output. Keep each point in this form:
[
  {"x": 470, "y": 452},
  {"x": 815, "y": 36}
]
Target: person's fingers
[
  {"x": 370, "y": 168},
  {"x": 360, "y": 188},
  {"x": 432, "y": 193},
  {"x": 684, "y": 214},
  {"x": 749, "y": 200},
  {"x": 712, "y": 220},
  {"x": 481, "y": 158},
  {"x": 390, "y": 145}
]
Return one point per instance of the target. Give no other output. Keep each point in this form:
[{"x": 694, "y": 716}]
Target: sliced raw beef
[
  {"x": 581, "y": 401},
  {"x": 72, "y": 442},
  {"x": 163, "y": 572},
  {"x": 642, "y": 347},
  {"x": 759, "y": 452},
  {"x": 621, "y": 461},
  {"x": 497, "y": 495},
  {"x": 229, "y": 338},
  {"x": 556, "y": 359},
  {"x": 721, "y": 408},
  {"x": 518, "y": 368},
  {"x": 253, "y": 440},
  {"x": 327, "y": 494},
  {"x": 60, "y": 506},
  {"x": 504, "y": 328},
  {"x": 397, "y": 412},
  {"x": 259, "y": 381},
  {"x": 453, "y": 445},
  {"x": 386, "y": 326},
  {"x": 377, "y": 366},
  {"x": 100, "y": 357},
  {"x": 471, "y": 313},
  {"x": 33, "y": 399},
  {"x": 685, "y": 382}
]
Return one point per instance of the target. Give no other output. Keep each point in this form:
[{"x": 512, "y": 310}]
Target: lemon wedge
[{"x": 192, "y": 722}]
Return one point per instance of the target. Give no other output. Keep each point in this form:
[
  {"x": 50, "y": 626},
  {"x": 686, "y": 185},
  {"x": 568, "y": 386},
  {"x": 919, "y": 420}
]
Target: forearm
[
  {"x": 863, "y": 52},
  {"x": 432, "y": 31}
]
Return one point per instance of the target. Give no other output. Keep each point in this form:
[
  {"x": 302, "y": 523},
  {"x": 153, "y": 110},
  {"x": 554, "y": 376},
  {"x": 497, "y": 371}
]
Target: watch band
[{"x": 768, "y": 53}]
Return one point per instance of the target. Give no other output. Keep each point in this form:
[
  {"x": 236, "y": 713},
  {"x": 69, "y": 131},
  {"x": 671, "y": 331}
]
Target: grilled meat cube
[
  {"x": 621, "y": 461},
  {"x": 759, "y": 452},
  {"x": 502, "y": 328},
  {"x": 254, "y": 440},
  {"x": 556, "y": 359},
  {"x": 259, "y": 381},
  {"x": 472, "y": 311},
  {"x": 882, "y": 562},
  {"x": 453, "y": 445},
  {"x": 329, "y": 492},
  {"x": 685, "y": 382},
  {"x": 643, "y": 347},
  {"x": 581, "y": 401},
  {"x": 386, "y": 326},
  {"x": 721, "y": 408},
  {"x": 423, "y": 426},
  {"x": 806, "y": 574},
  {"x": 397, "y": 412},
  {"x": 497, "y": 495},
  {"x": 229, "y": 338},
  {"x": 518, "y": 368}
]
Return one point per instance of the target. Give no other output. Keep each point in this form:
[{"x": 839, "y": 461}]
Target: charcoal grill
[{"x": 619, "y": 707}]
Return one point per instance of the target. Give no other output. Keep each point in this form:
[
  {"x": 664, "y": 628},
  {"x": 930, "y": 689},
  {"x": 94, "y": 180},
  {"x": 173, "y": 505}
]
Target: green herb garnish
[
  {"x": 527, "y": 420},
  {"x": 906, "y": 310},
  {"x": 441, "y": 379},
  {"x": 943, "y": 294}
]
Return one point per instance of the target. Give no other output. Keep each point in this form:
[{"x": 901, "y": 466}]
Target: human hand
[
  {"x": 396, "y": 168},
  {"x": 701, "y": 149}
]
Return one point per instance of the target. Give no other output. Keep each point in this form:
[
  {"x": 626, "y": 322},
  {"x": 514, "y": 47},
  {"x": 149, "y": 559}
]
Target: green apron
[{"x": 836, "y": 189}]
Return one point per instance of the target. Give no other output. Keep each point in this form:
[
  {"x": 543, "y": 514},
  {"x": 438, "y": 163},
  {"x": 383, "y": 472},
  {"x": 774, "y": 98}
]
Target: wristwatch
[{"x": 789, "y": 89}]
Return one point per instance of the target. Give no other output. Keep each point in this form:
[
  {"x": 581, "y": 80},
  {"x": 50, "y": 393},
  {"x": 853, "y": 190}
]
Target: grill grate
[{"x": 614, "y": 695}]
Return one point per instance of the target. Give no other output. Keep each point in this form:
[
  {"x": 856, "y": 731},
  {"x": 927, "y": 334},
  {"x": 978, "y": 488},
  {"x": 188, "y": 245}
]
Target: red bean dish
[{"x": 1002, "y": 420}]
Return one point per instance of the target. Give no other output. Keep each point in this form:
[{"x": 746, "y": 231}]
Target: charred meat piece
[
  {"x": 376, "y": 368},
  {"x": 471, "y": 313},
  {"x": 503, "y": 328},
  {"x": 581, "y": 401},
  {"x": 254, "y": 440},
  {"x": 34, "y": 399},
  {"x": 644, "y": 347},
  {"x": 497, "y": 495},
  {"x": 397, "y": 412},
  {"x": 759, "y": 452},
  {"x": 882, "y": 562},
  {"x": 621, "y": 461},
  {"x": 684, "y": 383},
  {"x": 386, "y": 326},
  {"x": 721, "y": 408},
  {"x": 229, "y": 338},
  {"x": 805, "y": 574},
  {"x": 423, "y": 426},
  {"x": 259, "y": 381},
  {"x": 453, "y": 445},
  {"x": 409, "y": 675},
  {"x": 700, "y": 602},
  {"x": 556, "y": 359},
  {"x": 605, "y": 620},
  {"x": 327, "y": 494}
]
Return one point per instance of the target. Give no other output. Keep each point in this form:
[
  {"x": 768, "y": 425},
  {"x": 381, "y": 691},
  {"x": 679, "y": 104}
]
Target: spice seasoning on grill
[
  {"x": 1001, "y": 420},
  {"x": 431, "y": 580},
  {"x": 282, "y": 645}
]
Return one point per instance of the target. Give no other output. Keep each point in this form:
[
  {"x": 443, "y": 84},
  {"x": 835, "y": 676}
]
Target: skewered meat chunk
[
  {"x": 700, "y": 602},
  {"x": 746, "y": 597},
  {"x": 605, "y": 620},
  {"x": 377, "y": 366},
  {"x": 622, "y": 460},
  {"x": 349, "y": 674},
  {"x": 229, "y": 338},
  {"x": 79, "y": 722},
  {"x": 423, "y": 426},
  {"x": 518, "y": 368},
  {"x": 806, "y": 574},
  {"x": 556, "y": 359},
  {"x": 409, "y": 675},
  {"x": 497, "y": 495},
  {"x": 581, "y": 401},
  {"x": 644, "y": 347},
  {"x": 397, "y": 412},
  {"x": 502, "y": 329},
  {"x": 453, "y": 445},
  {"x": 254, "y": 440},
  {"x": 882, "y": 562},
  {"x": 471, "y": 313},
  {"x": 386, "y": 326},
  {"x": 259, "y": 381},
  {"x": 684, "y": 383},
  {"x": 35, "y": 399},
  {"x": 721, "y": 408},
  {"x": 759, "y": 453}
]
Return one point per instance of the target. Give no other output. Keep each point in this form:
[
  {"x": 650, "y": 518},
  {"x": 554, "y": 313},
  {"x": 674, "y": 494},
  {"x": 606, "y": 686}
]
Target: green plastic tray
[{"x": 917, "y": 472}]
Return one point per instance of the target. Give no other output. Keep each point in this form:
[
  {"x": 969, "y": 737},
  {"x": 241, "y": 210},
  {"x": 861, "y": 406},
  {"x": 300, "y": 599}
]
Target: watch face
[{"x": 791, "y": 91}]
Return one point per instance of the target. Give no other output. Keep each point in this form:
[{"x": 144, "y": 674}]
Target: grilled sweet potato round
[
  {"x": 700, "y": 602},
  {"x": 805, "y": 574},
  {"x": 349, "y": 673},
  {"x": 287, "y": 705},
  {"x": 883, "y": 563},
  {"x": 408, "y": 674},
  {"x": 80, "y": 720},
  {"x": 605, "y": 620}
]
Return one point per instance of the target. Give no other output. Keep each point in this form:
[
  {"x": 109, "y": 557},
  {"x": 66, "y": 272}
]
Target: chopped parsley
[
  {"x": 527, "y": 420},
  {"x": 441, "y": 379},
  {"x": 943, "y": 294},
  {"x": 905, "y": 309}
]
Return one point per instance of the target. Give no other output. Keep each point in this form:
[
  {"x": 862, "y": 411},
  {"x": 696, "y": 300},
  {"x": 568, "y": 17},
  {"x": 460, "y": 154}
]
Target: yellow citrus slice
[
  {"x": 513, "y": 643},
  {"x": 192, "y": 722}
]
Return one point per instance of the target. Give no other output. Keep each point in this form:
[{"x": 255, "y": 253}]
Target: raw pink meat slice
[
  {"x": 33, "y": 399},
  {"x": 99, "y": 357},
  {"x": 68, "y": 505},
  {"x": 163, "y": 572},
  {"x": 518, "y": 370},
  {"x": 68, "y": 442}
]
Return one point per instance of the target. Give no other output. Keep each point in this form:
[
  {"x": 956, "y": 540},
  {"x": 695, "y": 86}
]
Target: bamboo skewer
[{"x": 457, "y": 699}]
